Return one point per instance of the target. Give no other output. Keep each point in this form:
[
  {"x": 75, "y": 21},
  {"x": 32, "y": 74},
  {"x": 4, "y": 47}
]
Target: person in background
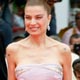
[
  {"x": 3, "y": 66},
  {"x": 74, "y": 39},
  {"x": 7, "y": 32},
  {"x": 38, "y": 57},
  {"x": 6, "y": 15},
  {"x": 76, "y": 68},
  {"x": 5, "y": 36},
  {"x": 75, "y": 43},
  {"x": 52, "y": 26},
  {"x": 6, "y": 21},
  {"x": 18, "y": 12},
  {"x": 73, "y": 30}
]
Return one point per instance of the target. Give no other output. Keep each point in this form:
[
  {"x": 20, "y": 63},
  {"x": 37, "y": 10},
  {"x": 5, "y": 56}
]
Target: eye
[
  {"x": 39, "y": 17},
  {"x": 28, "y": 17}
]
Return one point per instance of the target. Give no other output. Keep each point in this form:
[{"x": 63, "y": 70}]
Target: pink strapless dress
[{"x": 39, "y": 72}]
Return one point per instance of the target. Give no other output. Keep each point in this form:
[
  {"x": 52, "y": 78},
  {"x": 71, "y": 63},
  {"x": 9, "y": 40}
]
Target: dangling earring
[{"x": 48, "y": 28}]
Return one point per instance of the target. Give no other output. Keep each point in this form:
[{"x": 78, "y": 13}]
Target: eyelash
[
  {"x": 29, "y": 18},
  {"x": 38, "y": 17}
]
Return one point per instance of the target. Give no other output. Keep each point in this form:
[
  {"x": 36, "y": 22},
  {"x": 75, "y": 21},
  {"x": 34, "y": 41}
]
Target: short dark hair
[
  {"x": 76, "y": 16},
  {"x": 20, "y": 3},
  {"x": 76, "y": 66},
  {"x": 74, "y": 36}
]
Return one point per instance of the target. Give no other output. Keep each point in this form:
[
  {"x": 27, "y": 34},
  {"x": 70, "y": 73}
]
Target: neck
[{"x": 38, "y": 41}]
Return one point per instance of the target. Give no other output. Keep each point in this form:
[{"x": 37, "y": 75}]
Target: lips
[{"x": 34, "y": 28}]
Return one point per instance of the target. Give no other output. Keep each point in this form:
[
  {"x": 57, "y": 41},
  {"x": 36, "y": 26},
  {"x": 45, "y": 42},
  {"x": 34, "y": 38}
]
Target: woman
[{"x": 38, "y": 57}]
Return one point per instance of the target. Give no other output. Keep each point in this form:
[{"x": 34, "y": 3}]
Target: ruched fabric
[{"x": 39, "y": 72}]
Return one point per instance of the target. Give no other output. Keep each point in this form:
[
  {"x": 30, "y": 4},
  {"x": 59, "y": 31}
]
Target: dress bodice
[{"x": 39, "y": 72}]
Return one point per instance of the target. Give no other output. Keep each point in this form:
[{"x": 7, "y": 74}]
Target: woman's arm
[
  {"x": 10, "y": 61},
  {"x": 66, "y": 63}
]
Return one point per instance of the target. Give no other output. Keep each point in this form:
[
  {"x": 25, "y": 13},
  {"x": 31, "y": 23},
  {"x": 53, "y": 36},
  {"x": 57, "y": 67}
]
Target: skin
[{"x": 38, "y": 48}]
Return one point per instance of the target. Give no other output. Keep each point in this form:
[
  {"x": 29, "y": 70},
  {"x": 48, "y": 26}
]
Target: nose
[{"x": 33, "y": 21}]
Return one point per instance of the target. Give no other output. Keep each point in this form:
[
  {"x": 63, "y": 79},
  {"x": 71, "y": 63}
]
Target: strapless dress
[{"x": 39, "y": 72}]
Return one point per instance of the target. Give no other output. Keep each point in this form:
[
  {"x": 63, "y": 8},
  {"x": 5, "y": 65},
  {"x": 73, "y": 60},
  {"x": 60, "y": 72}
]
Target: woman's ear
[{"x": 49, "y": 18}]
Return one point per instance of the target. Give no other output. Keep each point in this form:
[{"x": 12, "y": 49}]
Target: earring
[{"x": 48, "y": 28}]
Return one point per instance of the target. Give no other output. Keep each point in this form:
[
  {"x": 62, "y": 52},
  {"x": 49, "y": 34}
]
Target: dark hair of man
[
  {"x": 76, "y": 66},
  {"x": 76, "y": 16},
  {"x": 74, "y": 36}
]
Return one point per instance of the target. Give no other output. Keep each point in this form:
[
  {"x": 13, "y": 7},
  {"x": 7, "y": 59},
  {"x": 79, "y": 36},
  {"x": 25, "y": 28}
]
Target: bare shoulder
[
  {"x": 64, "y": 48},
  {"x": 61, "y": 46},
  {"x": 12, "y": 48},
  {"x": 65, "y": 52}
]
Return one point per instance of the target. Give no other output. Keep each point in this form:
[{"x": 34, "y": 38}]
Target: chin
[{"x": 35, "y": 34}]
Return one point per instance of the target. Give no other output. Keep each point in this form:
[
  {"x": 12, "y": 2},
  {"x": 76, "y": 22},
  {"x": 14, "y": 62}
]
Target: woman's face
[{"x": 36, "y": 20}]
